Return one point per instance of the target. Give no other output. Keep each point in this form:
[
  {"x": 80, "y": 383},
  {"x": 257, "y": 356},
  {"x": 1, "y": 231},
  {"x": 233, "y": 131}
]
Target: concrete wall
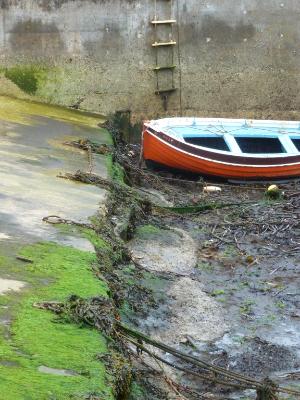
[{"x": 237, "y": 57}]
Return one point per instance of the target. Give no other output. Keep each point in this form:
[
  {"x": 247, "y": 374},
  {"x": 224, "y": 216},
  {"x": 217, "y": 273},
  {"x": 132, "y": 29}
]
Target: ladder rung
[
  {"x": 166, "y": 21},
  {"x": 158, "y": 44},
  {"x": 165, "y": 91},
  {"x": 163, "y": 67}
]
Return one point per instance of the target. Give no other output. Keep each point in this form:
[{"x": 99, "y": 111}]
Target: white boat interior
[{"x": 259, "y": 138}]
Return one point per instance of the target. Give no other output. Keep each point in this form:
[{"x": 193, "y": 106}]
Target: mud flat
[
  {"x": 226, "y": 284},
  {"x": 189, "y": 307}
]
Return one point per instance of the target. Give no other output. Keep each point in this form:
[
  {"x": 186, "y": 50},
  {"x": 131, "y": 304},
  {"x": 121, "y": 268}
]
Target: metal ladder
[{"x": 164, "y": 46}]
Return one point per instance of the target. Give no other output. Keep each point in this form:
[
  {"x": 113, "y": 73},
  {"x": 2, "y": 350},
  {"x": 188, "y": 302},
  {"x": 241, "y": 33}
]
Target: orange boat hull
[{"x": 162, "y": 152}]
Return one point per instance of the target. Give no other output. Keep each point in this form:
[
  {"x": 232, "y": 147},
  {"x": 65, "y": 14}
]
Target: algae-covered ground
[
  {"x": 37, "y": 339},
  {"x": 21, "y": 111}
]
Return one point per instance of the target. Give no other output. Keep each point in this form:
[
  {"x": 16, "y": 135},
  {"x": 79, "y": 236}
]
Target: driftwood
[{"x": 91, "y": 179}]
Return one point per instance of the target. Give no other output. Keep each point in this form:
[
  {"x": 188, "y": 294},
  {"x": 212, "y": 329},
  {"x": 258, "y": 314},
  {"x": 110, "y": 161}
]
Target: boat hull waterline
[{"x": 167, "y": 150}]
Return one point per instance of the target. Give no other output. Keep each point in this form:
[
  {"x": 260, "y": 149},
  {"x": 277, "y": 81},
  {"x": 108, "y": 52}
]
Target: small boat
[{"x": 227, "y": 148}]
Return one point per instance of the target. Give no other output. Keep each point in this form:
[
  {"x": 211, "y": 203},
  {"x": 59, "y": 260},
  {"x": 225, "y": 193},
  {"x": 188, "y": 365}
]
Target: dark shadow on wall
[
  {"x": 108, "y": 42},
  {"x": 35, "y": 38},
  {"x": 47, "y": 5},
  {"x": 218, "y": 30}
]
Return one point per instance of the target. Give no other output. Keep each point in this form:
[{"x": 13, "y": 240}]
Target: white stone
[{"x": 7, "y": 285}]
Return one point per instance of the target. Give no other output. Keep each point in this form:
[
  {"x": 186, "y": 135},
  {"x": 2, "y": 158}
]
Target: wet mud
[{"x": 230, "y": 291}]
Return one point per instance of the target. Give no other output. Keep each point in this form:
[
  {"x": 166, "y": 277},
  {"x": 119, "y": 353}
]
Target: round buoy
[{"x": 273, "y": 192}]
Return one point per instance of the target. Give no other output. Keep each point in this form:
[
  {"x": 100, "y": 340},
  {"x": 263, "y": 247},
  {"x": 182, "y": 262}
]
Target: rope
[
  {"x": 182, "y": 369},
  {"x": 244, "y": 381},
  {"x": 188, "y": 358},
  {"x": 56, "y": 220}
]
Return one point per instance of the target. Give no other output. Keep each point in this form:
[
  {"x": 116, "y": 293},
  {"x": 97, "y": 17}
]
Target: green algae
[
  {"x": 22, "y": 112},
  {"x": 36, "y": 339},
  {"x": 26, "y": 77},
  {"x": 115, "y": 171},
  {"x": 148, "y": 232},
  {"x": 95, "y": 239},
  {"x": 137, "y": 392}
]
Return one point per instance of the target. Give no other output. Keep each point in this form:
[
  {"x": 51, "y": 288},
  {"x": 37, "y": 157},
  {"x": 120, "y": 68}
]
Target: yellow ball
[{"x": 273, "y": 188}]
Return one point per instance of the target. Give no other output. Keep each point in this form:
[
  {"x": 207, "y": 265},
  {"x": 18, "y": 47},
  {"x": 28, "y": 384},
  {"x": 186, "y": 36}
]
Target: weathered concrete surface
[
  {"x": 33, "y": 268},
  {"x": 237, "y": 57},
  {"x": 32, "y": 154},
  {"x": 240, "y": 55}
]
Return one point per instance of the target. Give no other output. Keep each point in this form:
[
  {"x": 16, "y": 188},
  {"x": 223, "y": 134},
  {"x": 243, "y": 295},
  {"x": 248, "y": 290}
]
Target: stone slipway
[{"x": 38, "y": 358}]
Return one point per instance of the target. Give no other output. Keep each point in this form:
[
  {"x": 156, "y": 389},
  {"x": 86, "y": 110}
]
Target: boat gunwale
[{"x": 245, "y": 122}]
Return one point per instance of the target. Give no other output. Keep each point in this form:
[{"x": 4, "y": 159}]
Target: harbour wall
[{"x": 231, "y": 57}]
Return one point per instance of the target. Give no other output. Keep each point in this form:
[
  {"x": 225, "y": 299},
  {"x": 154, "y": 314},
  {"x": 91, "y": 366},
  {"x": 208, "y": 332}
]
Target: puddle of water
[
  {"x": 283, "y": 334},
  {"x": 7, "y": 363},
  {"x": 54, "y": 371}
]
